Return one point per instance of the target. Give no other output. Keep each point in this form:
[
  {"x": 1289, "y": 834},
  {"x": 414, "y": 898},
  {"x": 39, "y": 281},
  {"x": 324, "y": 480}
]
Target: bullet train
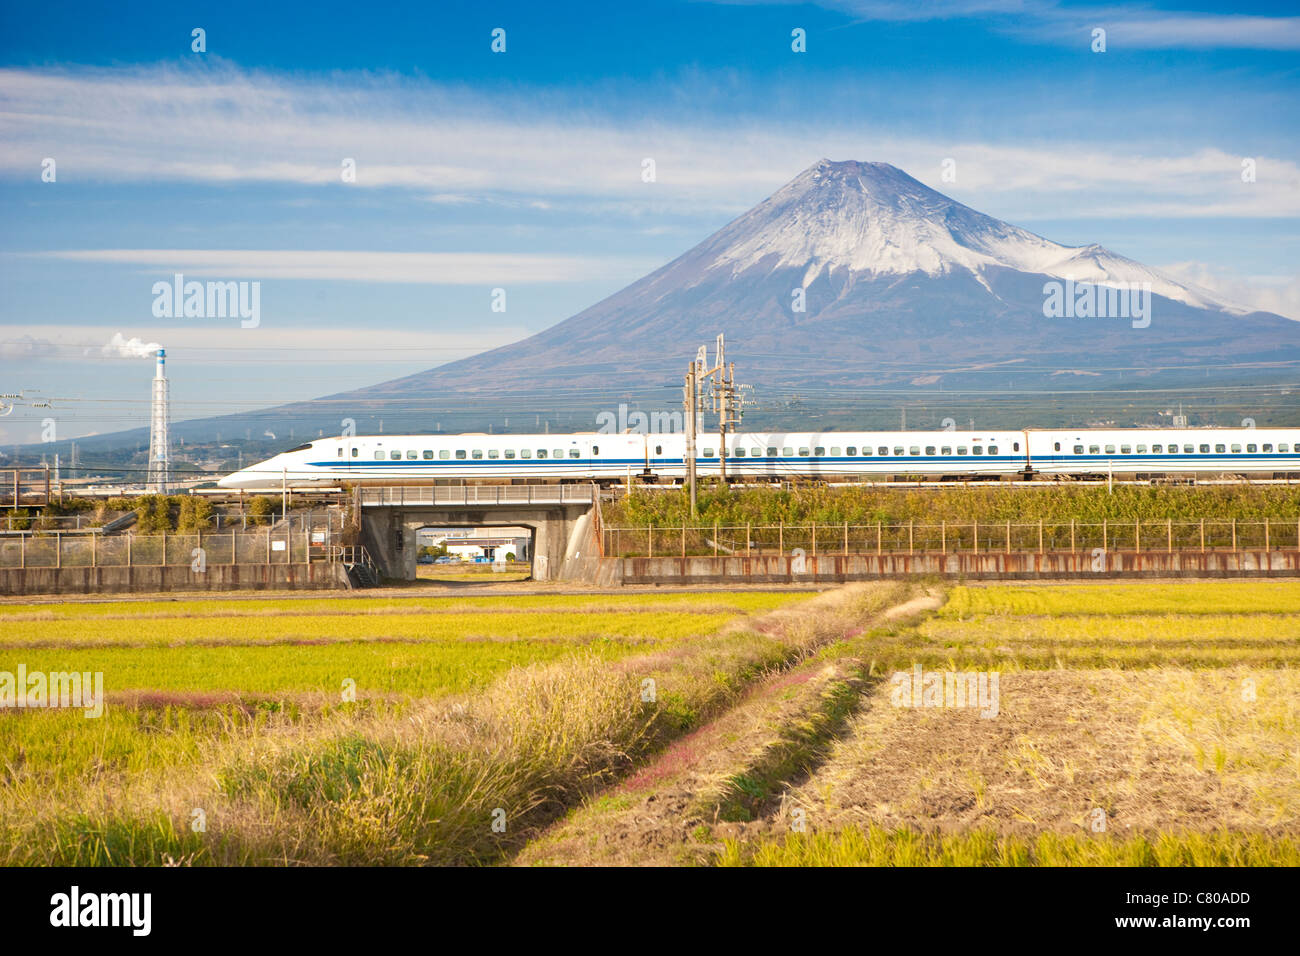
[{"x": 388, "y": 459}]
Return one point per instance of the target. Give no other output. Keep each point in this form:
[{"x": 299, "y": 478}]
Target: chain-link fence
[
  {"x": 1210, "y": 534},
  {"x": 266, "y": 546}
]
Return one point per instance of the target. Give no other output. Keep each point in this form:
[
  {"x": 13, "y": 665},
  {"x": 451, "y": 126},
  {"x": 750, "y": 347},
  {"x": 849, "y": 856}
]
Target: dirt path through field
[{"x": 730, "y": 768}]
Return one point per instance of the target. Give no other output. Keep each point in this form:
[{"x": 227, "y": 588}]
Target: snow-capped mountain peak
[{"x": 873, "y": 219}]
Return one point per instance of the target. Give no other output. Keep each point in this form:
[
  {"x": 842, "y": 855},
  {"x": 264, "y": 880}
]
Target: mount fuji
[
  {"x": 902, "y": 288},
  {"x": 900, "y": 284}
]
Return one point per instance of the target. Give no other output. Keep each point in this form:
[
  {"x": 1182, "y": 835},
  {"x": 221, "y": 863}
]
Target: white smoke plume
[{"x": 120, "y": 347}]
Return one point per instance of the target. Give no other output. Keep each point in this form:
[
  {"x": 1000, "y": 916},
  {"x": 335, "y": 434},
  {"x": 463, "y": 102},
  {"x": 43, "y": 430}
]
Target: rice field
[
  {"x": 233, "y": 692},
  {"x": 1143, "y": 724}
]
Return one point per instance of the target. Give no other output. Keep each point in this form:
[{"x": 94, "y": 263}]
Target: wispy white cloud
[
  {"x": 430, "y": 268},
  {"x": 208, "y": 343},
  {"x": 448, "y": 146},
  {"x": 26, "y": 347},
  {"x": 1129, "y": 26},
  {"x": 1269, "y": 293}
]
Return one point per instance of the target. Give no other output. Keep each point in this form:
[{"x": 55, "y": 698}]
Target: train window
[
  {"x": 595, "y": 449},
  {"x": 541, "y": 453},
  {"x": 851, "y": 450},
  {"x": 493, "y": 453},
  {"x": 820, "y": 451},
  {"x": 659, "y": 449},
  {"x": 1236, "y": 449},
  {"x": 1220, "y": 449},
  {"x": 866, "y": 450},
  {"x": 1250, "y": 449},
  {"x": 1189, "y": 449},
  {"x": 428, "y": 454},
  {"x": 978, "y": 450},
  {"x": 354, "y": 452},
  {"x": 914, "y": 450},
  {"x": 787, "y": 451},
  {"x": 1110, "y": 449},
  {"x": 476, "y": 454},
  {"x": 444, "y": 454},
  {"x": 771, "y": 453},
  {"x": 412, "y": 454},
  {"x": 882, "y": 450},
  {"x": 1142, "y": 449},
  {"x": 510, "y": 453},
  {"x": 708, "y": 453},
  {"x": 1173, "y": 449},
  {"x": 1205, "y": 449},
  {"x": 1268, "y": 448},
  {"x": 929, "y": 449},
  {"x": 460, "y": 453},
  {"x": 395, "y": 455},
  {"x": 573, "y": 453},
  {"x": 1094, "y": 449},
  {"x": 738, "y": 452},
  {"x": 1057, "y": 446},
  {"x": 340, "y": 451},
  {"x": 898, "y": 451},
  {"x": 835, "y": 452},
  {"x": 946, "y": 450},
  {"x": 1126, "y": 449},
  {"x": 558, "y": 453},
  {"x": 961, "y": 449},
  {"x": 379, "y": 456},
  {"x": 1016, "y": 446},
  {"x": 1157, "y": 449},
  {"x": 1282, "y": 448},
  {"x": 1078, "y": 449},
  {"x": 993, "y": 449},
  {"x": 525, "y": 453},
  {"x": 803, "y": 452}
]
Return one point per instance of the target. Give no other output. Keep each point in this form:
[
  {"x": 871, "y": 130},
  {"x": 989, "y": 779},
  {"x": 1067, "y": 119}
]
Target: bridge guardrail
[{"x": 403, "y": 495}]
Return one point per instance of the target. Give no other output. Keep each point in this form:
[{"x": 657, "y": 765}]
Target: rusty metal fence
[{"x": 952, "y": 537}]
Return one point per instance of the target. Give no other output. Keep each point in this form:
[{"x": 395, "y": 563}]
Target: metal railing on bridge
[{"x": 477, "y": 495}]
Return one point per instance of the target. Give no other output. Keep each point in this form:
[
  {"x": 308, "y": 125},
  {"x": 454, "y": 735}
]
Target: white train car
[
  {"x": 388, "y": 459},
  {"x": 1164, "y": 451}
]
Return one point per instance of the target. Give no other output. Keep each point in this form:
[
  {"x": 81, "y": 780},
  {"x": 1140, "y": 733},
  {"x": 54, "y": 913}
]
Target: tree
[{"x": 260, "y": 510}]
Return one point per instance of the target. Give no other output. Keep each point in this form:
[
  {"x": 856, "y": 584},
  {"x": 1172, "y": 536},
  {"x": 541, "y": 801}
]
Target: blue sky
[{"x": 522, "y": 170}]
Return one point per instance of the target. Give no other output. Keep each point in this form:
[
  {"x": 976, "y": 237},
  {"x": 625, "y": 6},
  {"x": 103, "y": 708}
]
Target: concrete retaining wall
[
  {"x": 233, "y": 577},
  {"x": 782, "y": 569}
]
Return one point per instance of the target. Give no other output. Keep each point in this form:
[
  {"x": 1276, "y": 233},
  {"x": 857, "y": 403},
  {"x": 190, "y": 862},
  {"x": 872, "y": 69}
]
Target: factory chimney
[{"x": 160, "y": 460}]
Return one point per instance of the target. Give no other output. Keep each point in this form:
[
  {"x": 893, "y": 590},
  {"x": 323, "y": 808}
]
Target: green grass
[
  {"x": 290, "y": 628},
  {"x": 854, "y": 846},
  {"x": 420, "y": 669}
]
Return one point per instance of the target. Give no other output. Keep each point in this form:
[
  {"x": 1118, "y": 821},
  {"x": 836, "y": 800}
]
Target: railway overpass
[{"x": 561, "y": 519}]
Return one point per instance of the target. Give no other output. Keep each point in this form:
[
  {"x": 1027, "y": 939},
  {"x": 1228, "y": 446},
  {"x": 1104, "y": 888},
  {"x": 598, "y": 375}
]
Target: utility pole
[
  {"x": 726, "y": 403},
  {"x": 690, "y": 402}
]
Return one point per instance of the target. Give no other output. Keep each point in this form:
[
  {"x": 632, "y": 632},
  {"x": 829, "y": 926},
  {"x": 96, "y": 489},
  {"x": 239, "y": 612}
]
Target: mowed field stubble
[{"x": 1125, "y": 723}]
